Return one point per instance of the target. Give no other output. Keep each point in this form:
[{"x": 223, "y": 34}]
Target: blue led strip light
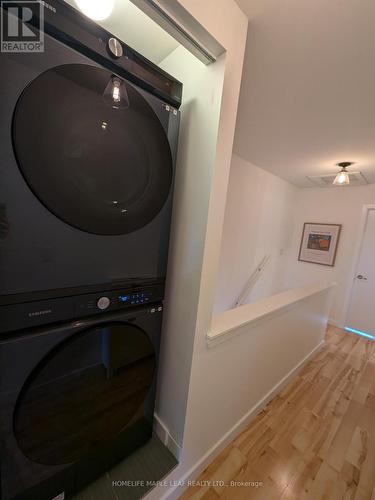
[{"x": 362, "y": 334}]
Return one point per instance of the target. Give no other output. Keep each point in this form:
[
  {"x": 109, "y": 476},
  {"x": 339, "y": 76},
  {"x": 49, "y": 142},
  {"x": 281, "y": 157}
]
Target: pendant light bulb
[
  {"x": 98, "y": 10},
  {"x": 342, "y": 178}
]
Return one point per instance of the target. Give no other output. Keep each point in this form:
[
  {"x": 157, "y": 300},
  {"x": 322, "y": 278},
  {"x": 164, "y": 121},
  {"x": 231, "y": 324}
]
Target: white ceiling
[
  {"x": 136, "y": 29},
  {"x": 308, "y": 91}
]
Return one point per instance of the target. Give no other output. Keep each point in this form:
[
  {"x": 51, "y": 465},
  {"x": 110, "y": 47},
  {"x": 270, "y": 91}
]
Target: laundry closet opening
[{"x": 197, "y": 60}]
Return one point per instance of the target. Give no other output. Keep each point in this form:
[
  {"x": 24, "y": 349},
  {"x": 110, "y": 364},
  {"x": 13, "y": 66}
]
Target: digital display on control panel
[
  {"x": 124, "y": 298},
  {"x": 134, "y": 298}
]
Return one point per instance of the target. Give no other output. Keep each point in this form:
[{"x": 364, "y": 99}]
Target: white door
[{"x": 361, "y": 314}]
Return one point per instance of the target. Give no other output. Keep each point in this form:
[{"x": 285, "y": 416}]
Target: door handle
[{"x": 361, "y": 277}]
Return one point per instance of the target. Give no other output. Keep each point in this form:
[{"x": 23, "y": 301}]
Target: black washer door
[
  {"x": 84, "y": 393},
  {"x": 102, "y": 168}
]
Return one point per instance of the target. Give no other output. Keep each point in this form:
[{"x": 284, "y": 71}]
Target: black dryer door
[
  {"x": 87, "y": 391},
  {"x": 92, "y": 149}
]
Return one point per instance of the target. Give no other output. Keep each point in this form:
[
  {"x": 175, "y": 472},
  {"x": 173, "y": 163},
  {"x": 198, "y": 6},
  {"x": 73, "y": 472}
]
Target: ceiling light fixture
[
  {"x": 98, "y": 10},
  {"x": 342, "y": 178}
]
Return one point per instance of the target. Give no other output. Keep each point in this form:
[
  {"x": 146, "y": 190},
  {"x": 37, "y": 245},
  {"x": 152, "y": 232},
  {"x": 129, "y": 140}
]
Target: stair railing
[{"x": 252, "y": 281}]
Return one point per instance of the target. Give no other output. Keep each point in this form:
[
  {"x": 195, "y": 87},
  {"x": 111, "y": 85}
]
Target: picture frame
[{"x": 319, "y": 243}]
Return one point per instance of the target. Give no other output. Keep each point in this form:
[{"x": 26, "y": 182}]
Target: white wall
[
  {"x": 233, "y": 380},
  {"x": 265, "y": 214},
  {"x": 258, "y": 221},
  {"x": 200, "y": 113},
  {"x": 336, "y": 206}
]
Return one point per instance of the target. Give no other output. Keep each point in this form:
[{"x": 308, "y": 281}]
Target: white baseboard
[
  {"x": 165, "y": 437},
  {"x": 160, "y": 429},
  {"x": 335, "y": 323},
  {"x": 203, "y": 462}
]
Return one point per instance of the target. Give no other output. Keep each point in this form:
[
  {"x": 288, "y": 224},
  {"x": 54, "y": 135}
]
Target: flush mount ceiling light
[
  {"x": 342, "y": 178},
  {"x": 98, "y": 10}
]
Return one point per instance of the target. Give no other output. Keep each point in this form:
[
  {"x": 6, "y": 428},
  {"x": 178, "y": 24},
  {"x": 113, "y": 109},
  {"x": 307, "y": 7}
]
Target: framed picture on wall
[{"x": 319, "y": 243}]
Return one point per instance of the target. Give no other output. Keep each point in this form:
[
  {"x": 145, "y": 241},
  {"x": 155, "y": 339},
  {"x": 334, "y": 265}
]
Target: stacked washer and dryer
[{"x": 88, "y": 139}]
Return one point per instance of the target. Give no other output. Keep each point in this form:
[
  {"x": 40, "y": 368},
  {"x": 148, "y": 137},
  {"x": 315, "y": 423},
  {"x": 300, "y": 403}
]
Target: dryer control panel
[
  {"x": 40, "y": 312},
  {"x": 115, "y": 299}
]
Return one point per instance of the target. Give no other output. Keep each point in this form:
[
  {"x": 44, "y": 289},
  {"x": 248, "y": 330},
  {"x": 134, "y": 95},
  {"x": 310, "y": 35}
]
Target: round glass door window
[
  {"x": 85, "y": 393},
  {"x": 92, "y": 149}
]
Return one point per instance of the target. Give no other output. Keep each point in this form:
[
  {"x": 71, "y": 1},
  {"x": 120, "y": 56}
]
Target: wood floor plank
[
  {"x": 342, "y": 439},
  {"x": 302, "y": 481},
  {"x": 367, "y": 476},
  {"x": 202, "y": 493},
  {"x": 347, "y": 483},
  {"x": 325, "y": 486},
  {"x": 315, "y": 440}
]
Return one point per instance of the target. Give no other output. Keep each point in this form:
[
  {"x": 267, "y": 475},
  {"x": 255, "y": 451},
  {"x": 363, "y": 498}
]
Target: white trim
[
  {"x": 183, "y": 27},
  {"x": 230, "y": 323},
  {"x": 357, "y": 254},
  {"x": 335, "y": 323},
  {"x": 162, "y": 431},
  {"x": 174, "y": 447},
  {"x": 237, "y": 428}
]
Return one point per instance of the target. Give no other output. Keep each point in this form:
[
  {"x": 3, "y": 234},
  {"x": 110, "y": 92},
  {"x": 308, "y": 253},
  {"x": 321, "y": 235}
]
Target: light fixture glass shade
[
  {"x": 342, "y": 178},
  {"x": 115, "y": 93},
  {"x": 98, "y": 10}
]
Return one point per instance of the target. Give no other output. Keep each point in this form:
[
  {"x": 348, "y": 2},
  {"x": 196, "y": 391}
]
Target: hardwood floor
[{"x": 315, "y": 440}]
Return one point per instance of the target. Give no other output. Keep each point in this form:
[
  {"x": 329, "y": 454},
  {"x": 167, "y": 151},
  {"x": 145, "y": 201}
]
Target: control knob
[
  {"x": 103, "y": 303},
  {"x": 115, "y": 48}
]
